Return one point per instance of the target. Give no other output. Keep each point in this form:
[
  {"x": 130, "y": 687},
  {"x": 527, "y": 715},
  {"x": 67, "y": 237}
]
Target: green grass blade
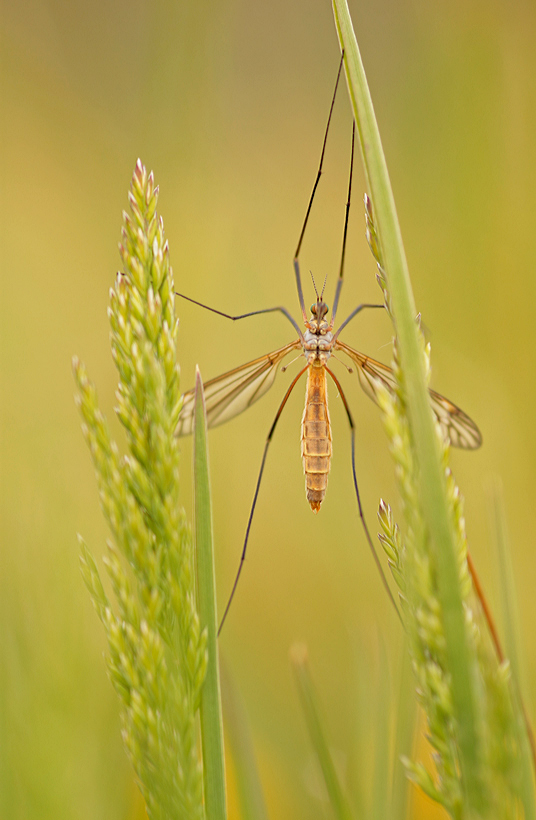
[
  {"x": 432, "y": 484},
  {"x": 211, "y": 717},
  {"x": 251, "y": 797},
  {"x": 405, "y": 723},
  {"x": 506, "y": 577},
  {"x": 511, "y": 620},
  {"x": 381, "y": 784},
  {"x": 309, "y": 700}
]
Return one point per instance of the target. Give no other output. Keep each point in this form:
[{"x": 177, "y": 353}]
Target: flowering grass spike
[
  {"x": 156, "y": 647},
  {"x": 413, "y": 565}
]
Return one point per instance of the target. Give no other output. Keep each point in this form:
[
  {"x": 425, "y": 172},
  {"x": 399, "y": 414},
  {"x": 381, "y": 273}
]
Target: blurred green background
[{"x": 227, "y": 104}]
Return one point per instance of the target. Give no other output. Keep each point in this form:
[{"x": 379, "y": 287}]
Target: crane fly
[{"x": 233, "y": 392}]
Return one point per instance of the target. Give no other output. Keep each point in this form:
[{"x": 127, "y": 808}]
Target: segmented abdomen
[{"x": 316, "y": 437}]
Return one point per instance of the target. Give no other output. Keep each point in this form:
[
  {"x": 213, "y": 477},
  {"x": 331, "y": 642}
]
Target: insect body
[
  {"x": 316, "y": 430},
  {"x": 230, "y": 394},
  {"x": 316, "y": 436}
]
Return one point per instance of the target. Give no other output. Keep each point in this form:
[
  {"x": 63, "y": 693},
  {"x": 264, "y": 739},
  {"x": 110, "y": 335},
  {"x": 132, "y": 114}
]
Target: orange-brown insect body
[{"x": 316, "y": 436}]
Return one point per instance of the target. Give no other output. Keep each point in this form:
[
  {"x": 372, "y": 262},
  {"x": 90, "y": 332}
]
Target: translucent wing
[
  {"x": 461, "y": 430},
  {"x": 230, "y": 394}
]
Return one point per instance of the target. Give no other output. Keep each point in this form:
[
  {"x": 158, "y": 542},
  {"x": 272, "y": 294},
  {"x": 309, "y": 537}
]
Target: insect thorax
[{"x": 317, "y": 345}]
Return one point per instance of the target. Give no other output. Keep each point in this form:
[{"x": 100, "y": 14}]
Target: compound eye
[
  {"x": 313, "y": 308},
  {"x": 326, "y": 307}
]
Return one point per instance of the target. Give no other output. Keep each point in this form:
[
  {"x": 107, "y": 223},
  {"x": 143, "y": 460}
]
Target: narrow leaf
[
  {"x": 309, "y": 700},
  {"x": 511, "y": 619},
  {"x": 211, "y": 717},
  {"x": 381, "y": 784},
  {"x": 432, "y": 482},
  {"x": 252, "y": 804},
  {"x": 405, "y": 722}
]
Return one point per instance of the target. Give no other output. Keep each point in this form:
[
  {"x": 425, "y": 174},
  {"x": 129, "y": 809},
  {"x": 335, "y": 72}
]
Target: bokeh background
[{"x": 227, "y": 104}]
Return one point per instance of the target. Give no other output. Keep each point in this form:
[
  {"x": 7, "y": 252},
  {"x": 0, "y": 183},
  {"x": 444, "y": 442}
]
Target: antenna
[
  {"x": 314, "y": 285},
  {"x": 323, "y": 287}
]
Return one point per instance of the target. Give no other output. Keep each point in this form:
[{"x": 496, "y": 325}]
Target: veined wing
[
  {"x": 230, "y": 394},
  {"x": 461, "y": 430}
]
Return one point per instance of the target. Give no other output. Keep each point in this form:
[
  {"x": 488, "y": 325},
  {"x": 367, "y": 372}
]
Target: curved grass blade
[
  {"x": 211, "y": 717},
  {"x": 248, "y": 782},
  {"x": 309, "y": 700},
  {"x": 381, "y": 780},
  {"x": 432, "y": 481},
  {"x": 405, "y": 725},
  {"x": 511, "y": 621}
]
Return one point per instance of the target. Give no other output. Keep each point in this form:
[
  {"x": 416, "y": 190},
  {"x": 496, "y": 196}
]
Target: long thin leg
[
  {"x": 345, "y": 234},
  {"x": 360, "y": 508},
  {"x": 315, "y": 186},
  {"x": 283, "y": 310},
  {"x": 349, "y": 318},
  {"x": 254, "y": 504}
]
